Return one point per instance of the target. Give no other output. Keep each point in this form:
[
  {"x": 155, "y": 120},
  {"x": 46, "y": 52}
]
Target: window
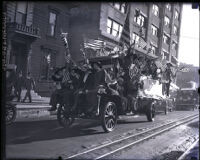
[
  {"x": 166, "y": 21},
  {"x": 165, "y": 55},
  {"x": 153, "y": 49},
  {"x": 168, "y": 6},
  {"x": 52, "y": 23},
  {"x": 174, "y": 45},
  {"x": 140, "y": 20},
  {"x": 154, "y": 30},
  {"x": 120, "y": 6},
  {"x": 175, "y": 30},
  {"x": 176, "y": 15},
  {"x": 21, "y": 12},
  {"x": 155, "y": 10},
  {"x": 48, "y": 63},
  {"x": 165, "y": 39},
  {"x": 114, "y": 28},
  {"x": 135, "y": 38}
]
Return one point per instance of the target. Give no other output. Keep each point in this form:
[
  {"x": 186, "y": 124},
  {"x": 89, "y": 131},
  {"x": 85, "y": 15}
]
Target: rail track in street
[
  {"x": 108, "y": 149},
  {"x": 187, "y": 152}
]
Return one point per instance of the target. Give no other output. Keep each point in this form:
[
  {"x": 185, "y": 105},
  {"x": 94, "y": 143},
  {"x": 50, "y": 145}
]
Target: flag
[
  {"x": 184, "y": 69},
  {"x": 142, "y": 43},
  {"x": 94, "y": 44}
]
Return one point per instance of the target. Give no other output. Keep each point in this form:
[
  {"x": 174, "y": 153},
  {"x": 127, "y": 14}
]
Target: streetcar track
[
  {"x": 182, "y": 157},
  {"x": 95, "y": 155}
]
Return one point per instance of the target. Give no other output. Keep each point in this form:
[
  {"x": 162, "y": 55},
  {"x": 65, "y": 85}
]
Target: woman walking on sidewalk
[{"x": 29, "y": 84}]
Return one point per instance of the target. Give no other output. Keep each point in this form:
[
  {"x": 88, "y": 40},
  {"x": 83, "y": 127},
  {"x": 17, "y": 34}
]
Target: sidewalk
[{"x": 38, "y": 108}]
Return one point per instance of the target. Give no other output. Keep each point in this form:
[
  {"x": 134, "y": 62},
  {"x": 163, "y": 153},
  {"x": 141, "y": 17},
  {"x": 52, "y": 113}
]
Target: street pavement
[{"x": 44, "y": 138}]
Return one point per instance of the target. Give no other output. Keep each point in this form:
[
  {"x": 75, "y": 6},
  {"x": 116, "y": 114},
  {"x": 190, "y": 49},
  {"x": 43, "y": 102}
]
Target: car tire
[
  {"x": 109, "y": 116},
  {"x": 11, "y": 113},
  {"x": 151, "y": 113},
  {"x": 63, "y": 117}
]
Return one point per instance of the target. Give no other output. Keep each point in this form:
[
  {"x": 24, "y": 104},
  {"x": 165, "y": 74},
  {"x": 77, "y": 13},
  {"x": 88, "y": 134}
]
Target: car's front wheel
[
  {"x": 63, "y": 117},
  {"x": 109, "y": 116}
]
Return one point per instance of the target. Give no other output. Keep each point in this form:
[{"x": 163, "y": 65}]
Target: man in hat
[
  {"x": 63, "y": 83},
  {"x": 29, "y": 84},
  {"x": 168, "y": 78}
]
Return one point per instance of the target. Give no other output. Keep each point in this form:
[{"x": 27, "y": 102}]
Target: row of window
[
  {"x": 115, "y": 29},
  {"x": 21, "y": 16},
  {"x": 155, "y": 10}
]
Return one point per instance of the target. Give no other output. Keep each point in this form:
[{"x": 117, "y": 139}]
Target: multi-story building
[
  {"x": 33, "y": 38},
  {"x": 158, "y": 25},
  {"x": 33, "y": 32}
]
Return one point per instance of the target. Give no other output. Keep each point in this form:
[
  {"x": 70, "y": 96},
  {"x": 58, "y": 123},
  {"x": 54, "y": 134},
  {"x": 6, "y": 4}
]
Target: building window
[
  {"x": 155, "y": 10},
  {"x": 168, "y": 6},
  {"x": 21, "y": 12},
  {"x": 175, "y": 30},
  {"x": 135, "y": 38},
  {"x": 154, "y": 30},
  {"x": 165, "y": 39},
  {"x": 153, "y": 49},
  {"x": 174, "y": 45},
  {"x": 165, "y": 55},
  {"x": 166, "y": 21},
  {"x": 52, "y": 23},
  {"x": 140, "y": 20},
  {"x": 114, "y": 28},
  {"x": 120, "y": 6},
  {"x": 48, "y": 63},
  {"x": 176, "y": 16}
]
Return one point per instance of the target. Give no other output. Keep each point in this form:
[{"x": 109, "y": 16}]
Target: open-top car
[{"x": 99, "y": 97}]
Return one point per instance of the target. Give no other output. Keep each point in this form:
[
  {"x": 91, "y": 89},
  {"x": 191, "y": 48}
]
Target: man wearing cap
[{"x": 168, "y": 77}]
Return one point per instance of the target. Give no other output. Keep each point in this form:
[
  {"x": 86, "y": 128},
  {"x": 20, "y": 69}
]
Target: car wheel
[
  {"x": 109, "y": 116},
  {"x": 10, "y": 113},
  {"x": 151, "y": 113},
  {"x": 63, "y": 117}
]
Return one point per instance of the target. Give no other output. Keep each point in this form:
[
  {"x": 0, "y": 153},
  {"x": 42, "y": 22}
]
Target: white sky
[{"x": 189, "y": 36}]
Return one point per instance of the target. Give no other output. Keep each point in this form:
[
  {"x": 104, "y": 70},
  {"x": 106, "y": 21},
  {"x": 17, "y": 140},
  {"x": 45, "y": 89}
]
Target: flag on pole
[
  {"x": 184, "y": 69},
  {"x": 93, "y": 44},
  {"x": 142, "y": 43}
]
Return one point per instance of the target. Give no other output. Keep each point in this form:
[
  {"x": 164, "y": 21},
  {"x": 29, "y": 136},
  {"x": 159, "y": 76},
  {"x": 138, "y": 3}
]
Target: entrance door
[{"x": 19, "y": 56}]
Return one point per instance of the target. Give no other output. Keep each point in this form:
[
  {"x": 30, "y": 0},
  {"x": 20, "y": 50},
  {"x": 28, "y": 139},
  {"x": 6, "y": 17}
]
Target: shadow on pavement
[{"x": 25, "y": 132}]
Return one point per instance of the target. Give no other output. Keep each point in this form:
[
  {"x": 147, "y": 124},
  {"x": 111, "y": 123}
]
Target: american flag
[
  {"x": 93, "y": 44},
  {"x": 142, "y": 43}
]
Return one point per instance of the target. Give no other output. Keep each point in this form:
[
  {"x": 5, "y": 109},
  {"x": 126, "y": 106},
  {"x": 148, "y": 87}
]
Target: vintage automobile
[
  {"x": 187, "y": 98},
  {"x": 110, "y": 106}
]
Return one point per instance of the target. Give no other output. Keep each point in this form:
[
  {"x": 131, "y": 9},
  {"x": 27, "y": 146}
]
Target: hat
[{"x": 169, "y": 64}]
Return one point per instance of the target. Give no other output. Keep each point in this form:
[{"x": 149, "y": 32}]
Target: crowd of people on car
[{"x": 123, "y": 79}]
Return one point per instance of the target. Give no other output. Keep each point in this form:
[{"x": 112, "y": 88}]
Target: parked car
[{"x": 187, "y": 98}]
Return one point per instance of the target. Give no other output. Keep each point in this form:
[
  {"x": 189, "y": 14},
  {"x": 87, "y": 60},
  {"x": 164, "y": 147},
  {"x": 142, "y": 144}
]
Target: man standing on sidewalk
[
  {"x": 18, "y": 86},
  {"x": 29, "y": 84}
]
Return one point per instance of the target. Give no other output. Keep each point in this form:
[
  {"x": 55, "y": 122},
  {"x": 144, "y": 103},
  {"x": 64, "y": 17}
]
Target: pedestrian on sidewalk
[
  {"x": 29, "y": 84},
  {"x": 18, "y": 86}
]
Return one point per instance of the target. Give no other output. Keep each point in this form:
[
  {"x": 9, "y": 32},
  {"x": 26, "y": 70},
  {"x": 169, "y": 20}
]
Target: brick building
[
  {"x": 33, "y": 32},
  {"x": 157, "y": 24},
  {"x": 33, "y": 38}
]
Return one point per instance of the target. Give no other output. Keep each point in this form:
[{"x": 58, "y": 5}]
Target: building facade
[
  {"x": 33, "y": 32},
  {"x": 33, "y": 39},
  {"x": 158, "y": 25}
]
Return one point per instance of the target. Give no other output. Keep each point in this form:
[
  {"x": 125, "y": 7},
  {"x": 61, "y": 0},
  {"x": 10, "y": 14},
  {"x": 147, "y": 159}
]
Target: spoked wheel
[
  {"x": 151, "y": 113},
  {"x": 63, "y": 116},
  {"x": 109, "y": 117},
  {"x": 10, "y": 113}
]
